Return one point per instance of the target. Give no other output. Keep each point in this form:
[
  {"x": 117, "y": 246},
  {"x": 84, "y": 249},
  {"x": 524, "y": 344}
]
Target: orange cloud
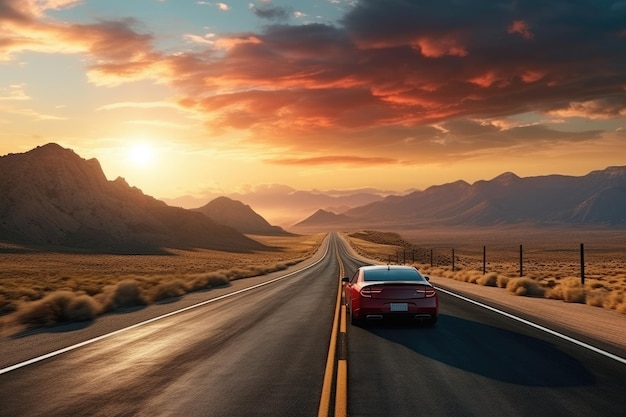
[
  {"x": 385, "y": 70},
  {"x": 438, "y": 47},
  {"x": 522, "y": 28},
  {"x": 335, "y": 160}
]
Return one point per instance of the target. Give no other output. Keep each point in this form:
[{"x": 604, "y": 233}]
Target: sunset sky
[{"x": 187, "y": 97}]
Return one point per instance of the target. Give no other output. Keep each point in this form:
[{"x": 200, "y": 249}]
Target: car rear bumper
[{"x": 373, "y": 309}]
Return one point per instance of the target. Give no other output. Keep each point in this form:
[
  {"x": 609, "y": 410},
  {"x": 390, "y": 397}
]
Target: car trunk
[{"x": 398, "y": 291}]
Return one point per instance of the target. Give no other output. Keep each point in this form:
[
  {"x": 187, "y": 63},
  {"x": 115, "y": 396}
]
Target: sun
[{"x": 141, "y": 155}]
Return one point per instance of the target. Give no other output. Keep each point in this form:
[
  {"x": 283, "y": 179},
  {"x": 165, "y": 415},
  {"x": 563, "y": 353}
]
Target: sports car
[{"x": 389, "y": 291}]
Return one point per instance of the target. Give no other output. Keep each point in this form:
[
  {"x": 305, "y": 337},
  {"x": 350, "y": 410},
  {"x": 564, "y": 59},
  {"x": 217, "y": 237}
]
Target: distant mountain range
[
  {"x": 53, "y": 198},
  {"x": 598, "y": 198},
  {"x": 286, "y": 206},
  {"x": 50, "y": 197}
]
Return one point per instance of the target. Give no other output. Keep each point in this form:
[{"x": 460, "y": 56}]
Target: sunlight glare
[{"x": 141, "y": 155}]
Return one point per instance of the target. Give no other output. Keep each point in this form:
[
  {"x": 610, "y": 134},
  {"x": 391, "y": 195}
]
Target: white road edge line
[
  {"x": 537, "y": 326},
  {"x": 134, "y": 326}
]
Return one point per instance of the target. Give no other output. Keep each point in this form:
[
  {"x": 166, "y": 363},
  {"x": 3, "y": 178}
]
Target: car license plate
[{"x": 399, "y": 307}]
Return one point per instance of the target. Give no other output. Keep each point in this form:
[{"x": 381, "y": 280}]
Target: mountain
[
  {"x": 323, "y": 217},
  {"x": 239, "y": 216},
  {"x": 52, "y": 197},
  {"x": 598, "y": 198},
  {"x": 284, "y": 206}
]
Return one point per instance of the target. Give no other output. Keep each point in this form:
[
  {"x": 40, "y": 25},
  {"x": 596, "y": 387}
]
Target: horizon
[
  {"x": 269, "y": 200},
  {"x": 220, "y": 98}
]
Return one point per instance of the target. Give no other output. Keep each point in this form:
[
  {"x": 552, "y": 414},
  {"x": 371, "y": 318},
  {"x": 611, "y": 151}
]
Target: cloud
[
  {"x": 335, "y": 160},
  {"x": 140, "y": 105},
  {"x": 522, "y": 28},
  {"x": 14, "y": 92},
  {"x": 222, "y": 6},
  {"x": 378, "y": 81},
  {"x": 270, "y": 12},
  {"x": 603, "y": 108}
]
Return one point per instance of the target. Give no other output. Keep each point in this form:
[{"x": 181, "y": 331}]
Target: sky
[{"x": 188, "y": 97}]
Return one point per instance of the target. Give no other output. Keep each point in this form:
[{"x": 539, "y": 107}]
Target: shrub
[
  {"x": 568, "y": 289},
  {"x": 488, "y": 280},
  {"x": 125, "y": 293},
  {"x": 175, "y": 288},
  {"x": 524, "y": 286},
  {"x": 503, "y": 281},
  {"x": 57, "y": 307}
]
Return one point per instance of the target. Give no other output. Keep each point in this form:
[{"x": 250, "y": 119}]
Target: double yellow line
[{"x": 337, "y": 354}]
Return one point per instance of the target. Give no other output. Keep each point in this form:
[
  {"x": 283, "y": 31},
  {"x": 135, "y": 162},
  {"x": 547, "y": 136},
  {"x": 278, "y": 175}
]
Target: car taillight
[
  {"x": 428, "y": 292},
  {"x": 368, "y": 291}
]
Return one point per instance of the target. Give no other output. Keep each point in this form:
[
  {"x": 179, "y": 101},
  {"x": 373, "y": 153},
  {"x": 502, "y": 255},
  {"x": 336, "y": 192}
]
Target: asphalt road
[{"x": 262, "y": 352}]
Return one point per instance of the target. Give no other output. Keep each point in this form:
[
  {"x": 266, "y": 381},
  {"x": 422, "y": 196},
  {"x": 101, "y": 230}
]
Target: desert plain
[{"x": 44, "y": 288}]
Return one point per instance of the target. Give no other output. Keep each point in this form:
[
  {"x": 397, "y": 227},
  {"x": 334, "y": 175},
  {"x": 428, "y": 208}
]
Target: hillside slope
[
  {"x": 239, "y": 216},
  {"x": 54, "y": 198}
]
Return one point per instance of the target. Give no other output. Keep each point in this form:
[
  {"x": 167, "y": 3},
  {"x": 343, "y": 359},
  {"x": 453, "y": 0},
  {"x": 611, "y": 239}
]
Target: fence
[{"x": 570, "y": 261}]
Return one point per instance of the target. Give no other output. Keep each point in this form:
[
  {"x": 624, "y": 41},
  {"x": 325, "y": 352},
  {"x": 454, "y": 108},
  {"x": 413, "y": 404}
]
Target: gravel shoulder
[{"x": 594, "y": 322}]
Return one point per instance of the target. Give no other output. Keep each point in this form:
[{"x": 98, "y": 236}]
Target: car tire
[{"x": 353, "y": 320}]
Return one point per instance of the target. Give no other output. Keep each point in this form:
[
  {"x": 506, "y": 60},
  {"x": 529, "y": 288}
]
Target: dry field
[
  {"x": 551, "y": 259},
  {"x": 39, "y": 289}
]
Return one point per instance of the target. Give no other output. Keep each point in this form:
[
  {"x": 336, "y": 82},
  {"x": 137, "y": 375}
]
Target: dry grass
[
  {"x": 40, "y": 289},
  {"x": 551, "y": 260}
]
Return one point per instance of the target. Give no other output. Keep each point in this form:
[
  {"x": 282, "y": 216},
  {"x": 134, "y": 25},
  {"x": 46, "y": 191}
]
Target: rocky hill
[
  {"x": 598, "y": 198},
  {"x": 53, "y": 198},
  {"x": 239, "y": 216}
]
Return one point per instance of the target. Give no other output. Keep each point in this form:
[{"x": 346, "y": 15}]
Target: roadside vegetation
[
  {"x": 549, "y": 273},
  {"x": 43, "y": 289}
]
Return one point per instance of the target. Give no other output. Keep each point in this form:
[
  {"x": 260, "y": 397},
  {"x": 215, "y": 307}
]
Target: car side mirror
[
  {"x": 345, "y": 279},
  {"x": 427, "y": 277}
]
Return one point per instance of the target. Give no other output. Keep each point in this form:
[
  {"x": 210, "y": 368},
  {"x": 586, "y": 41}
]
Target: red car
[{"x": 385, "y": 291}]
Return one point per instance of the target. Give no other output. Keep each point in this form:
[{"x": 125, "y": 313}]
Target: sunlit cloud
[
  {"x": 435, "y": 79},
  {"x": 208, "y": 39},
  {"x": 521, "y": 28},
  {"x": 223, "y": 7},
  {"x": 335, "y": 160},
  {"x": 14, "y": 92},
  {"x": 140, "y": 105},
  {"x": 593, "y": 109}
]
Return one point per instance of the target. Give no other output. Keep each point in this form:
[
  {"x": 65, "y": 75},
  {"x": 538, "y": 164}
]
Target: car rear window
[{"x": 393, "y": 275}]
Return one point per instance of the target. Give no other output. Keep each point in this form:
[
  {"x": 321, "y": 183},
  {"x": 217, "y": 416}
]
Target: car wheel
[{"x": 353, "y": 320}]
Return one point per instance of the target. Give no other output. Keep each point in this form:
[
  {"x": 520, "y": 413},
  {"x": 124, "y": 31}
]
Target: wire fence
[{"x": 568, "y": 260}]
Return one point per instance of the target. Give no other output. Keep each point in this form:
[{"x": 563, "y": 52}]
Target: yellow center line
[{"x": 339, "y": 322}]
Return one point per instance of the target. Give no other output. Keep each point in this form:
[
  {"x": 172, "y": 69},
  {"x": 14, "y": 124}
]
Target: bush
[
  {"x": 568, "y": 289},
  {"x": 488, "y": 280},
  {"x": 125, "y": 293},
  {"x": 57, "y": 307},
  {"x": 524, "y": 286}
]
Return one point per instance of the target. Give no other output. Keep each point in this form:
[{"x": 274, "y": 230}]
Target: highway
[{"x": 260, "y": 347}]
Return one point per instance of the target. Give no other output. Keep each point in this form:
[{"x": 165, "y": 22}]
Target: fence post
[
  {"x": 521, "y": 262},
  {"x": 582, "y": 264},
  {"x": 484, "y": 260},
  {"x": 452, "y": 259}
]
